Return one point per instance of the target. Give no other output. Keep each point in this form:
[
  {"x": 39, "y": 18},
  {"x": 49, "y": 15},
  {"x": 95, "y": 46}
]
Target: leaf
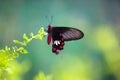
[
  {"x": 42, "y": 76},
  {"x": 15, "y": 54},
  {"x": 42, "y": 32},
  {"x": 31, "y": 34},
  {"x": 25, "y": 37},
  {"x": 16, "y": 42},
  {"x": 22, "y": 50}
]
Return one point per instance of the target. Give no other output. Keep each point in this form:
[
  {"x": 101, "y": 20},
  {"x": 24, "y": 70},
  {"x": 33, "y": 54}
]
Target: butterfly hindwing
[{"x": 57, "y": 42}]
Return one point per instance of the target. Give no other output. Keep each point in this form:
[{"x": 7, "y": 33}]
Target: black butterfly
[{"x": 61, "y": 34}]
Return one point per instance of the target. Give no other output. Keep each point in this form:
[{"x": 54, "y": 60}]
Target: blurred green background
[{"x": 95, "y": 57}]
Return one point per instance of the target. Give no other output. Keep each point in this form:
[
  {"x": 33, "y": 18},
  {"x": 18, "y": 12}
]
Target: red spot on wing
[
  {"x": 60, "y": 47},
  {"x": 62, "y": 43},
  {"x": 49, "y": 38},
  {"x": 54, "y": 49},
  {"x": 60, "y": 34},
  {"x": 62, "y": 39}
]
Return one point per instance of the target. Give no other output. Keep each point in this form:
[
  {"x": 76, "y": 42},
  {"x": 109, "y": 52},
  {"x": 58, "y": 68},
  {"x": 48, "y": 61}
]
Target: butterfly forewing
[{"x": 68, "y": 33}]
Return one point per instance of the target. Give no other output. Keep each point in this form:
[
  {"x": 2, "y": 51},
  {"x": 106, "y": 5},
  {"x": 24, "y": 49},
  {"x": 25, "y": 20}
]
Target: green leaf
[
  {"x": 15, "y": 54},
  {"x": 25, "y": 36},
  {"x": 42, "y": 76},
  {"x": 16, "y": 42},
  {"x": 21, "y": 43},
  {"x": 22, "y": 50},
  {"x": 7, "y": 48},
  {"x": 42, "y": 32},
  {"x": 31, "y": 34},
  {"x": 38, "y": 37}
]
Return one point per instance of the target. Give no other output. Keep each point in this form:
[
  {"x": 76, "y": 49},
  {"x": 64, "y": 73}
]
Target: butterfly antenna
[
  {"x": 46, "y": 28},
  {"x": 51, "y": 19},
  {"x": 47, "y": 18}
]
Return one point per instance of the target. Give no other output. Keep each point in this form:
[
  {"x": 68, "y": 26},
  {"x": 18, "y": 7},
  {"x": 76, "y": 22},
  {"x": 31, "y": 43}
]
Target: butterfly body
[{"x": 61, "y": 34}]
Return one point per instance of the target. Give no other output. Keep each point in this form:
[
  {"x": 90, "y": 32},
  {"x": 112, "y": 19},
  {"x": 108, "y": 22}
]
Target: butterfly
[{"x": 61, "y": 34}]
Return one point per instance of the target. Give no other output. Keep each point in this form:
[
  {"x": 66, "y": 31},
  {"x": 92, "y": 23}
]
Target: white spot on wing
[{"x": 56, "y": 42}]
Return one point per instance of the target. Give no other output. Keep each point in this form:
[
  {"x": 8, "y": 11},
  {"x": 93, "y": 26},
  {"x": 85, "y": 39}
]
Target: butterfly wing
[
  {"x": 57, "y": 42},
  {"x": 68, "y": 33},
  {"x": 61, "y": 34}
]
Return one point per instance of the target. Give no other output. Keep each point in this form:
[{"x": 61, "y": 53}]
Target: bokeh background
[{"x": 95, "y": 57}]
